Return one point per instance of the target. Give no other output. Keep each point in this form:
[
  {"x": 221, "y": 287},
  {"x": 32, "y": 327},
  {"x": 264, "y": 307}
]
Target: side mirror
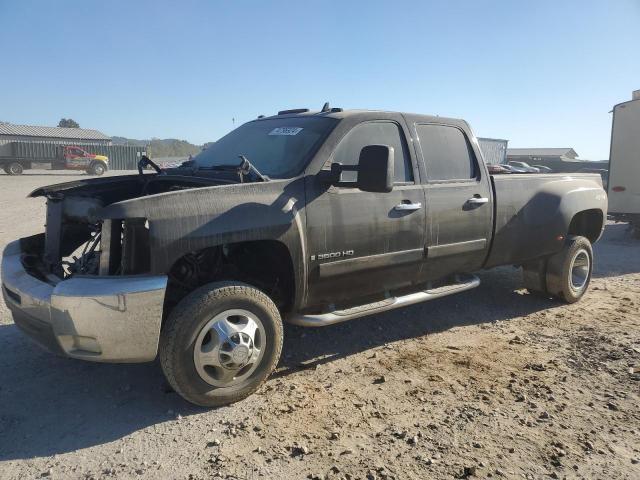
[{"x": 375, "y": 169}]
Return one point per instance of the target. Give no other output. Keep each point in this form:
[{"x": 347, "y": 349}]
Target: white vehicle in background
[
  {"x": 624, "y": 163},
  {"x": 524, "y": 166}
]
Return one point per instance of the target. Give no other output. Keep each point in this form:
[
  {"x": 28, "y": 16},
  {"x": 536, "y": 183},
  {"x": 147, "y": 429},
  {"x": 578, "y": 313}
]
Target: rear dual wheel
[
  {"x": 565, "y": 275},
  {"x": 220, "y": 343}
]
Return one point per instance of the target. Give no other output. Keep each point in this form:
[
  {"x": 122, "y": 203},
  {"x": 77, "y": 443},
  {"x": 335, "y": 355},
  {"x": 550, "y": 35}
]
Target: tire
[
  {"x": 97, "y": 168},
  {"x": 194, "y": 326},
  {"x": 14, "y": 168},
  {"x": 569, "y": 271}
]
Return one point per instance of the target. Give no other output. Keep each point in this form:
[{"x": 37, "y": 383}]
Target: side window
[
  {"x": 447, "y": 153},
  {"x": 382, "y": 133}
]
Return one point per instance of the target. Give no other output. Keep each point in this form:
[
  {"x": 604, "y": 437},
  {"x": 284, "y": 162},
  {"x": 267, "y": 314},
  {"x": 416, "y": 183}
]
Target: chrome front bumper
[{"x": 102, "y": 319}]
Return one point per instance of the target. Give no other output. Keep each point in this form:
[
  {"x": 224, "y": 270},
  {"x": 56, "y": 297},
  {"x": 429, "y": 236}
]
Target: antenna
[{"x": 325, "y": 107}]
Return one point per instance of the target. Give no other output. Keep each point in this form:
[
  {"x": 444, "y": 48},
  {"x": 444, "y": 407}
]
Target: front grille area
[
  {"x": 75, "y": 242},
  {"x": 125, "y": 247}
]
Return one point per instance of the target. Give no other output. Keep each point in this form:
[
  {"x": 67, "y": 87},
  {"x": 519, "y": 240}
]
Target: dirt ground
[{"x": 491, "y": 383}]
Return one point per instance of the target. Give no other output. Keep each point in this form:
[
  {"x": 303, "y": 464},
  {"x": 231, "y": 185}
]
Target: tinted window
[
  {"x": 447, "y": 153},
  {"x": 277, "y": 147},
  {"x": 375, "y": 133}
]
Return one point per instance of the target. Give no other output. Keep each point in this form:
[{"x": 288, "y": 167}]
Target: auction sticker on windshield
[{"x": 285, "y": 131}]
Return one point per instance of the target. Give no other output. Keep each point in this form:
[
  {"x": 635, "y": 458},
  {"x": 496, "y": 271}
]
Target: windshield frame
[{"x": 276, "y": 121}]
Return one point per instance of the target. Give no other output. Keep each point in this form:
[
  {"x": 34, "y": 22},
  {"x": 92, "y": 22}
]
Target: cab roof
[{"x": 340, "y": 114}]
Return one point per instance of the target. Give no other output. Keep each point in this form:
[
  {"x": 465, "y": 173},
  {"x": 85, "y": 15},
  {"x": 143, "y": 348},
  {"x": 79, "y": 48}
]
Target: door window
[
  {"x": 375, "y": 133},
  {"x": 447, "y": 153}
]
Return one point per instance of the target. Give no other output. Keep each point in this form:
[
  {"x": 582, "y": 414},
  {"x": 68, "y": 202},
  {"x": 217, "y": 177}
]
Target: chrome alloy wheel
[
  {"x": 229, "y": 348},
  {"x": 579, "y": 270}
]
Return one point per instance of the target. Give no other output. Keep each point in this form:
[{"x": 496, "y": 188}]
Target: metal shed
[{"x": 57, "y": 135}]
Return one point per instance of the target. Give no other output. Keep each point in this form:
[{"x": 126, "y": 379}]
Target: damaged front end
[
  {"x": 77, "y": 242},
  {"x": 80, "y": 240},
  {"x": 83, "y": 288}
]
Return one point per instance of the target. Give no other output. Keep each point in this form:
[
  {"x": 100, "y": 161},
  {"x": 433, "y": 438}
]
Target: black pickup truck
[{"x": 311, "y": 217}]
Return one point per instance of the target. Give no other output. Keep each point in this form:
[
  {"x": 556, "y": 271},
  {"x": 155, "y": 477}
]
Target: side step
[{"x": 464, "y": 282}]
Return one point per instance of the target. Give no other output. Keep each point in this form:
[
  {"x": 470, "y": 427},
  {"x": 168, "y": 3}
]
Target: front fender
[{"x": 190, "y": 220}]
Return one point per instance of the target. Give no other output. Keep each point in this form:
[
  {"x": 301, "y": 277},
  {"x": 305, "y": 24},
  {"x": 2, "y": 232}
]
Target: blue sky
[{"x": 539, "y": 73}]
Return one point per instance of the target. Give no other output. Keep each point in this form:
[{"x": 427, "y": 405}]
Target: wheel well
[
  {"x": 587, "y": 223},
  {"x": 265, "y": 264}
]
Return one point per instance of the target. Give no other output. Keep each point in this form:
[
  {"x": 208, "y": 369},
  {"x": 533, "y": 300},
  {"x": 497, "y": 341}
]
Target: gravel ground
[{"x": 489, "y": 383}]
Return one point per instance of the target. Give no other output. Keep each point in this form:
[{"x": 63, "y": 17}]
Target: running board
[{"x": 466, "y": 282}]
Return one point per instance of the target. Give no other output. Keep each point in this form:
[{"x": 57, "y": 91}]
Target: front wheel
[
  {"x": 220, "y": 343},
  {"x": 569, "y": 271},
  {"x": 96, "y": 168},
  {"x": 14, "y": 168}
]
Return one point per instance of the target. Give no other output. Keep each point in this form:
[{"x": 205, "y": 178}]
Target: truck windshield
[{"x": 278, "y": 147}]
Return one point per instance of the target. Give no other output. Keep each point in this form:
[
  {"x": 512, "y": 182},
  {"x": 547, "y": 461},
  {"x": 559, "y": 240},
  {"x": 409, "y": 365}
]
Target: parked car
[
  {"x": 513, "y": 169},
  {"x": 325, "y": 217},
  {"x": 61, "y": 157},
  {"x": 524, "y": 166},
  {"x": 543, "y": 168},
  {"x": 495, "y": 168}
]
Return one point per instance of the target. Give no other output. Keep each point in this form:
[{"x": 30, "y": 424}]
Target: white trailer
[{"x": 624, "y": 163}]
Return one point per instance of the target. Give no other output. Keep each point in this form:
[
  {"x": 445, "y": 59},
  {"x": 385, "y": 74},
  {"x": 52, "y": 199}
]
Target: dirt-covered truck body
[{"x": 325, "y": 217}]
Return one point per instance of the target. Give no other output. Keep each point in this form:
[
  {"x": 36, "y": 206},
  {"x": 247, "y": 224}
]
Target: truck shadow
[
  {"x": 53, "y": 405},
  {"x": 499, "y": 297}
]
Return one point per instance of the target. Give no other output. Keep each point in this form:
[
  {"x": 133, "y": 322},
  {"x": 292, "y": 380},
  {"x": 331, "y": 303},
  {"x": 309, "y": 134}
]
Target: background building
[
  {"x": 58, "y": 135},
  {"x": 34, "y": 142}
]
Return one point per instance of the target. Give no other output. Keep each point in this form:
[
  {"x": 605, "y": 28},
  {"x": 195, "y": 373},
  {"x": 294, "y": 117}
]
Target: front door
[
  {"x": 459, "y": 201},
  {"x": 76, "y": 158},
  {"x": 363, "y": 244}
]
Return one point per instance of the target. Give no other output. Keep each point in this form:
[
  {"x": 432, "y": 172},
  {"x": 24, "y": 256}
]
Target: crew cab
[{"x": 308, "y": 217}]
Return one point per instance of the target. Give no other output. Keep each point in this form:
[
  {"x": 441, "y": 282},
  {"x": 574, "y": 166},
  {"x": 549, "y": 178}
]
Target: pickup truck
[
  {"x": 21, "y": 155},
  {"x": 311, "y": 217}
]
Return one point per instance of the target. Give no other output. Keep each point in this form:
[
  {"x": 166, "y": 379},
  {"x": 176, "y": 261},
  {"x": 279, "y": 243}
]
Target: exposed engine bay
[{"x": 77, "y": 241}]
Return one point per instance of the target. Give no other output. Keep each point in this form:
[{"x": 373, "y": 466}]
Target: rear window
[{"x": 447, "y": 153}]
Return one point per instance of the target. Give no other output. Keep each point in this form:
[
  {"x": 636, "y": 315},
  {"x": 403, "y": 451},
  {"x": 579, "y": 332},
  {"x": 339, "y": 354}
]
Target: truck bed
[{"x": 530, "y": 213}]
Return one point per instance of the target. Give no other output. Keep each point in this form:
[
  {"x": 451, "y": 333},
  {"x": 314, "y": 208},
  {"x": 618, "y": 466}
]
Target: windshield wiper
[
  {"x": 246, "y": 167},
  {"x": 243, "y": 169}
]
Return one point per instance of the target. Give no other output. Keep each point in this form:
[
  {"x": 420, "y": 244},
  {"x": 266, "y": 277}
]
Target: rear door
[
  {"x": 458, "y": 197},
  {"x": 364, "y": 243}
]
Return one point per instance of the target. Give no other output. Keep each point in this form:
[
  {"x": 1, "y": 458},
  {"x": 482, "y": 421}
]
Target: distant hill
[{"x": 158, "y": 147}]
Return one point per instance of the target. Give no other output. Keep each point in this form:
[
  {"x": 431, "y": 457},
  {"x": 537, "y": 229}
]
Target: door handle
[
  {"x": 478, "y": 200},
  {"x": 408, "y": 206}
]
